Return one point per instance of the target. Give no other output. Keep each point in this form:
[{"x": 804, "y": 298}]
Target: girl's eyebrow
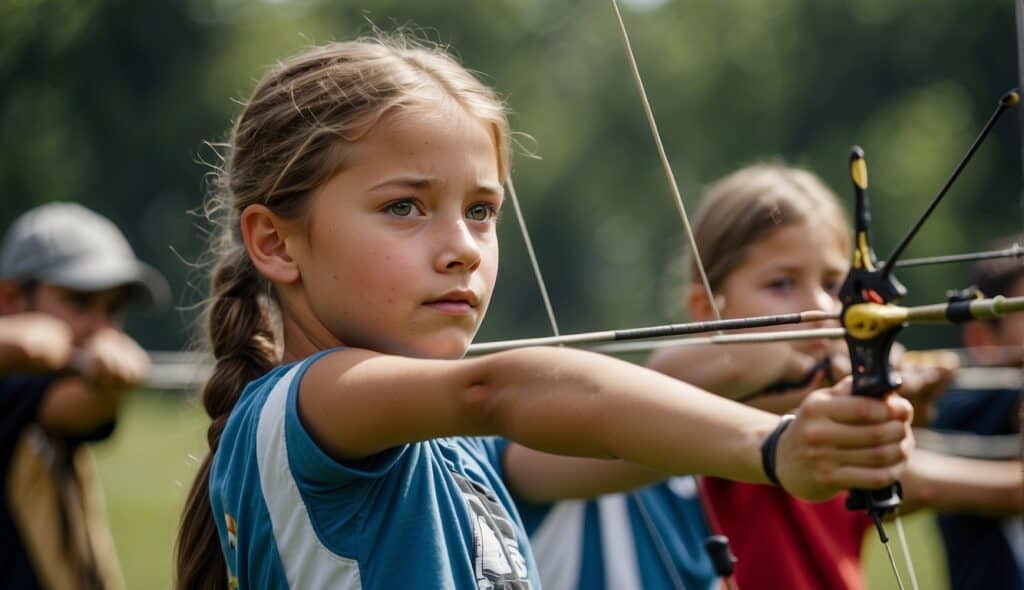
[
  {"x": 425, "y": 182},
  {"x": 784, "y": 266},
  {"x": 493, "y": 189},
  {"x": 406, "y": 182}
]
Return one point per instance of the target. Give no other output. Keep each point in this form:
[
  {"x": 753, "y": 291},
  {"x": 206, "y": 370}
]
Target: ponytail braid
[{"x": 240, "y": 328}]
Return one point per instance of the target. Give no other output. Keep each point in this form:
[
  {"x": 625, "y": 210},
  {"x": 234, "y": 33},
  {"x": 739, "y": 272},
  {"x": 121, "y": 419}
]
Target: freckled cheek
[
  {"x": 760, "y": 302},
  {"x": 743, "y": 298},
  {"x": 763, "y": 306},
  {"x": 489, "y": 265},
  {"x": 387, "y": 278}
]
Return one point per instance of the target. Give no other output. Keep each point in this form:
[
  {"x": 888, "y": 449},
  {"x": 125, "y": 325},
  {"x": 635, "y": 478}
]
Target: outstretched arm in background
[{"x": 96, "y": 374}]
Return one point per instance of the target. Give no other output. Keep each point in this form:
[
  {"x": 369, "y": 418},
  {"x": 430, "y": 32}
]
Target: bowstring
[
  {"x": 532, "y": 255},
  {"x": 665, "y": 164},
  {"x": 906, "y": 552},
  {"x": 1019, "y": 5},
  {"x": 666, "y": 560},
  {"x": 538, "y": 275}
]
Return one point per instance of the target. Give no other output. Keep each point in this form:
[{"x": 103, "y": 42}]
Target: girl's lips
[{"x": 451, "y": 307}]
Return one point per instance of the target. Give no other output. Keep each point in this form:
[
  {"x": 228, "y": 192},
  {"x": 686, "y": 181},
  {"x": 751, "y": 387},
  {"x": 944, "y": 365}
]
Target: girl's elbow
[
  {"x": 479, "y": 403},
  {"x": 482, "y": 407},
  {"x": 485, "y": 398}
]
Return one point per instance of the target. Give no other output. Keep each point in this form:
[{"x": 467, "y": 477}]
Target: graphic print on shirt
[
  {"x": 232, "y": 528},
  {"x": 497, "y": 561},
  {"x": 231, "y": 525}
]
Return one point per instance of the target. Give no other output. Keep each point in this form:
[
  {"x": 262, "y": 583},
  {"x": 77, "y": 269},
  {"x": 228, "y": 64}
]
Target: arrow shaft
[{"x": 654, "y": 331}]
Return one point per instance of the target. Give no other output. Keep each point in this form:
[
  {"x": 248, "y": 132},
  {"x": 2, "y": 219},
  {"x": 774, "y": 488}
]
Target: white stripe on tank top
[
  {"x": 618, "y": 544},
  {"x": 307, "y": 562},
  {"x": 558, "y": 546}
]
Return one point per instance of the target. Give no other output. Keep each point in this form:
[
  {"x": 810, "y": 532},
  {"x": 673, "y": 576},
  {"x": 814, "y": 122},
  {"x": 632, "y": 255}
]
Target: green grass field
[{"x": 148, "y": 467}]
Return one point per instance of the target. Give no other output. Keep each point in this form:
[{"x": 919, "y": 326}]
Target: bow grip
[
  {"x": 869, "y": 363},
  {"x": 873, "y": 377}
]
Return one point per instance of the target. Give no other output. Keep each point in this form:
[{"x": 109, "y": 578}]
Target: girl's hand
[
  {"x": 734, "y": 371},
  {"x": 34, "y": 342},
  {"x": 785, "y": 401},
  {"x": 839, "y": 441},
  {"x": 825, "y": 374},
  {"x": 111, "y": 360},
  {"x": 758, "y": 366}
]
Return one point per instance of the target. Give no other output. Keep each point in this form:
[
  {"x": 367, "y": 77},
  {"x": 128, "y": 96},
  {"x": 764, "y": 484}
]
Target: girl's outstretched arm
[
  {"x": 357, "y": 403},
  {"x": 946, "y": 483},
  {"x": 733, "y": 370}
]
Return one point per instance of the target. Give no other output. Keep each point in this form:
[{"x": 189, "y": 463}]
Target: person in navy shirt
[{"x": 987, "y": 551}]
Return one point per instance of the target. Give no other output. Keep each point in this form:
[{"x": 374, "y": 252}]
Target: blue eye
[
  {"x": 481, "y": 212},
  {"x": 401, "y": 208}
]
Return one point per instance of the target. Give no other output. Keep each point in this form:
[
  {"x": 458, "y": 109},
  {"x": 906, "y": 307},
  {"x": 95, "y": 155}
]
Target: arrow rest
[{"x": 970, "y": 293}]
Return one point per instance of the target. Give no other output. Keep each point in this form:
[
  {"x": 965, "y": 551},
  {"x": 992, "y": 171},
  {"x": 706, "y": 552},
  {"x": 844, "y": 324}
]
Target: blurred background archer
[{"x": 110, "y": 103}]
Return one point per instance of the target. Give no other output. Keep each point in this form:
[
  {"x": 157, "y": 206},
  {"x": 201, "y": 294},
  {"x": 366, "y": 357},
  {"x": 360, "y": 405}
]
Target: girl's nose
[
  {"x": 825, "y": 300},
  {"x": 459, "y": 250}
]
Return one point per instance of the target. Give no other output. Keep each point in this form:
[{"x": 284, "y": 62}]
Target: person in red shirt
[{"x": 774, "y": 240}]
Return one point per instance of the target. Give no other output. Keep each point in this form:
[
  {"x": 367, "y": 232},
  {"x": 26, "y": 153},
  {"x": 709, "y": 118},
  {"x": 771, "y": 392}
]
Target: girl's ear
[
  {"x": 698, "y": 305},
  {"x": 263, "y": 233}
]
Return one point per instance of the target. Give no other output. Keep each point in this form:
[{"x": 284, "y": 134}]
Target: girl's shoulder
[
  {"x": 256, "y": 393},
  {"x": 264, "y": 406}
]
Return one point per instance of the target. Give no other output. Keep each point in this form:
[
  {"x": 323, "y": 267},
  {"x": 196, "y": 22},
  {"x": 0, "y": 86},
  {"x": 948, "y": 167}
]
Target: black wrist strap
[{"x": 769, "y": 447}]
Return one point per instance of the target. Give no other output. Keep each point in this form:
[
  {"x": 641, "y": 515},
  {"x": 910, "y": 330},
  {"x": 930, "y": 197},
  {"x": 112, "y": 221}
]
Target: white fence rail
[{"x": 178, "y": 370}]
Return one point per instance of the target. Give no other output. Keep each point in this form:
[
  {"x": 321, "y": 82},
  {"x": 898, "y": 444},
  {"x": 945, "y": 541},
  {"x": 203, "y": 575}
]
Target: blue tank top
[
  {"x": 434, "y": 514},
  {"x": 650, "y": 539}
]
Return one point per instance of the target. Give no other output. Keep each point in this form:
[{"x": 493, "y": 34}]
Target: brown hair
[
  {"x": 291, "y": 137},
  {"x": 748, "y": 205}
]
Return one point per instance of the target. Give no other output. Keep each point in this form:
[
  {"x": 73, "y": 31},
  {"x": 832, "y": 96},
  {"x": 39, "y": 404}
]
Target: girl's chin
[
  {"x": 441, "y": 355},
  {"x": 441, "y": 349}
]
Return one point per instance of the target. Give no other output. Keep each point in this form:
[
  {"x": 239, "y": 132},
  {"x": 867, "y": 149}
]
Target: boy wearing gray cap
[{"x": 65, "y": 274}]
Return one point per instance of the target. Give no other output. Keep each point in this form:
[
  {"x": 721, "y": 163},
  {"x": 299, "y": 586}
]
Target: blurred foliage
[{"x": 109, "y": 102}]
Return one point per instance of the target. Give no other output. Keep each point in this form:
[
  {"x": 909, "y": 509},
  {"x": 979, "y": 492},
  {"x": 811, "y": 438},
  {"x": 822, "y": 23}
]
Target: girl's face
[
  {"x": 796, "y": 268},
  {"x": 401, "y": 252}
]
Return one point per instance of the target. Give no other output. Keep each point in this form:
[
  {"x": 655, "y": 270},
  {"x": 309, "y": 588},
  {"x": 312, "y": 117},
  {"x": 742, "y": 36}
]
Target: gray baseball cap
[{"x": 67, "y": 245}]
